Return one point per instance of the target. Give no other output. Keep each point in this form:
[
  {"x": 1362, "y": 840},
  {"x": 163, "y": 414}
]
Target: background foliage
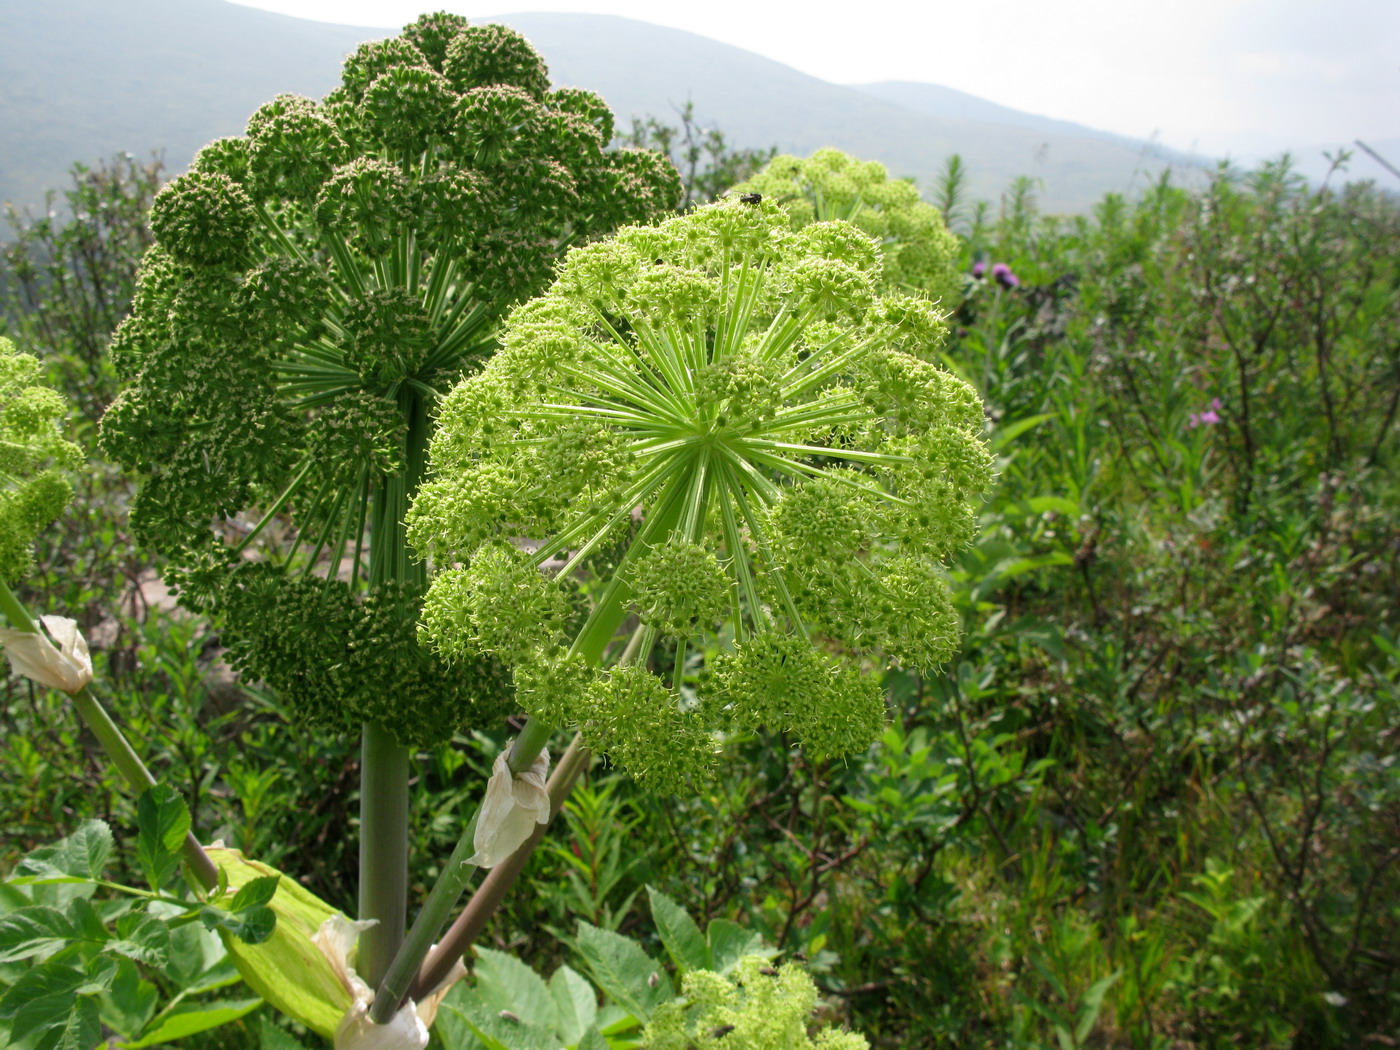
[{"x": 1154, "y": 803}]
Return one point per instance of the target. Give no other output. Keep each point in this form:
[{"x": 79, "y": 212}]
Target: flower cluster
[
  {"x": 721, "y": 425},
  {"x": 315, "y": 286},
  {"x": 758, "y": 1006},
  {"x": 34, "y": 456},
  {"x": 920, "y": 254}
]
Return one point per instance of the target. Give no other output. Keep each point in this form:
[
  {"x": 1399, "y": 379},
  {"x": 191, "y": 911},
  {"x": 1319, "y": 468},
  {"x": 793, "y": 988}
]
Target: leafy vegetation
[{"x": 1152, "y": 800}]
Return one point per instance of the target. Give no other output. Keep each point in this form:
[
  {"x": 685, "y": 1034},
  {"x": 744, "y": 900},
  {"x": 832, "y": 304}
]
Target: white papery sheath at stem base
[
  {"x": 408, "y": 1028},
  {"x": 514, "y": 804}
]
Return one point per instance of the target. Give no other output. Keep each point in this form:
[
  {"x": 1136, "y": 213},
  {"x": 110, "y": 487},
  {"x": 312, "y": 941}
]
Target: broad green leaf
[
  {"x": 287, "y": 969},
  {"x": 189, "y": 1018},
  {"x": 626, "y": 973},
  {"x": 82, "y": 855},
  {"x": 251, "y": 927},
  {"x": 162, "y": 821},
  {"x": 592, "y": 1040},
  {"x": 194, "y": 952},
  {"x": 575, "y": 1001},
  {"x": 86, "y": 921},
  {"x": 683, "y": 939},
  {"x": 503, "y": 982},
  {"x": 730, "y": 942},
  {"x": 143, "y": 938},
  {"x": 79, "y": 1030},
  {"x": 36, "y": 930},
  {"x": 48, "y": 999},
  {"x": 500, "y": 1032},
  {"x": 254, "y": 893},
  {"x": 130, "y": 1002}
]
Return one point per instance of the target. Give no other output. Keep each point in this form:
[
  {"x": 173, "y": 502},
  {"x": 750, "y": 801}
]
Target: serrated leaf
[
  {"x": 82, "y": 855},
  {"x": 730, "y": 942},
  {"x": 576, "y": 1002},
  {"x": 43, "y": 999},
  {"x": 683, "y": 940},
  {"x": 254, "y": 893},
  {"x": 81, "y": 1029},
  {"x": 143, "y": 938},
  {"x": 86, "y": 921},
  {"x": 592, "y": 1040},
  {"x": 503, "y": 982},
  {"x": 130, "y": 1001},
  {"x": 270, "y": 1037},
  {"x": 162, "y": 822},
  {"x": 36, "y": 930},
  {"x": 189, "y": 1018},
  {"x": 501, "y": 1033},
  {"x": 627, "y": 974}
]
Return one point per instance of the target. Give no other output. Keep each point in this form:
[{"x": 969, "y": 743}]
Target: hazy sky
[{"x": 1238, "y": 76}]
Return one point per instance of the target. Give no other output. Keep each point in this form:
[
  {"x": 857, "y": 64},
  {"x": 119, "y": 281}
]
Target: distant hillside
[{"x": 83, "y": 79}]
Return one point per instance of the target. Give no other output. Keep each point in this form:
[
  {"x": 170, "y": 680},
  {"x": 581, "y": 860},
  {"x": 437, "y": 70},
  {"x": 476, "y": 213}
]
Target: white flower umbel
[
  {"x": 514, "y": 804},
  {"x": 67, "y": 667}
]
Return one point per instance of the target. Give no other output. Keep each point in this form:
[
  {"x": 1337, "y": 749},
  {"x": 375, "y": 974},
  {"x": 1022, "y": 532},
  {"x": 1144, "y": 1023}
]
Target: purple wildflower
[
  {"x": 1002, "y": 274},
  {"x": 978, "y": 269},
  {"x": 1209, "y": 417}
]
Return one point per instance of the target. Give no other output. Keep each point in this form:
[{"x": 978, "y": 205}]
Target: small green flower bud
[
  {"x": 203, "y": 219},
  {"x": 483, "y": 56},
  {"x": 680, "y": 588}
]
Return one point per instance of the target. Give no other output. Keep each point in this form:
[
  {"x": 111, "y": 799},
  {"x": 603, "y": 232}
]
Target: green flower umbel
[
  {"x": 921, "y": 255},
  {"x": 34, "y": 457},
  {"x": 315, "y": 286},
  {"x": 721, "y": 425}
]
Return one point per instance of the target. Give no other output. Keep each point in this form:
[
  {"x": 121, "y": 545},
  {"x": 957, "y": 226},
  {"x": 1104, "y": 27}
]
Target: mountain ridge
[{"x": 84, "y": 79}]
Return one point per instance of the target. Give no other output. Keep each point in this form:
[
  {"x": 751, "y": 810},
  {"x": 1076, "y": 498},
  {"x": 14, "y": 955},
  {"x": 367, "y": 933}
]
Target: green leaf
[
  {"x": 254, "y": 893},
  {"x": 48, "y": 1003},
  {"x": 82, "y": 855},
  {"x": 130, "y": 1002},
  {"x": 503, "y": 982},
  {"x": 270, "y": 1037},
  {"x": 143, "y": 938},
  {"x": 162, "y": 822},
  {"x": 1091, "y": 1004},
  {"x": 683, "y": 939},
  {"x": 730, "y": 942},
  {"x": 36, "y": 930},
  {"x": 80, "y": 1030},
  {"x": 86, "y": 921},
  {"x": 502, "y": 1033},
  {"x": 575, "y": 1002},
  {"x": 626, "y": 973},
  {"x": 592, "y": 1040},
  {"x": 253, "y": 926},
  {"x": 189, "y": 1018}
]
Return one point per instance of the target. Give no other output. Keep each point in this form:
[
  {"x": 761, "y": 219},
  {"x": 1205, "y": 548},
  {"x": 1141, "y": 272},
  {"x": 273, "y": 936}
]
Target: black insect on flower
[{"x": 751, "y": 198}]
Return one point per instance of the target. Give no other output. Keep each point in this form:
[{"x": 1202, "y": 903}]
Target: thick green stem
[
  {"x": 447, "y": 891},
  {"x": 384, "y": 762},
  {"x": 383, "y": 849},
  {"x": 114, "y": 742}
]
